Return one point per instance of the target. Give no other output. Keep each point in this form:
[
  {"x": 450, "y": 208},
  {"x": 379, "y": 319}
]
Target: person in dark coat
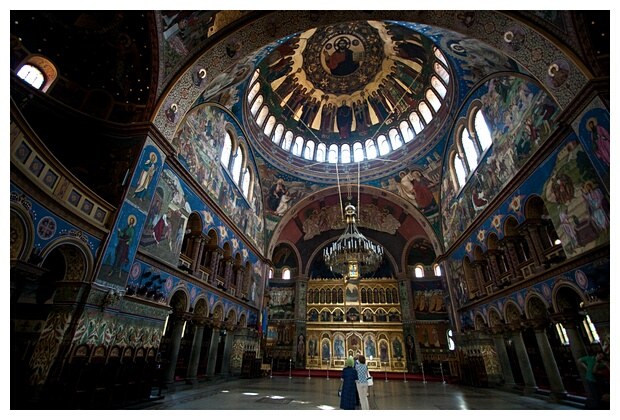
[{"x": 349, "y": 389}]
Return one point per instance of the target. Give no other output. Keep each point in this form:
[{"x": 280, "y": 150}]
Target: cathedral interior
[{"x": 232, "y": 153}]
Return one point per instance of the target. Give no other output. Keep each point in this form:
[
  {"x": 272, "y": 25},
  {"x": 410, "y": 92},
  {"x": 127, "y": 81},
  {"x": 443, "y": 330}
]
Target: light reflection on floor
[{"x": 300, "y": 393}]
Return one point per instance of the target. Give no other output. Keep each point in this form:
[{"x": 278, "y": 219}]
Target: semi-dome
[{"x": 350, "y": 92}]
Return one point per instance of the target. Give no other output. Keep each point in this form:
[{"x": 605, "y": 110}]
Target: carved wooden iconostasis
[{"x": 354, "y": 318}]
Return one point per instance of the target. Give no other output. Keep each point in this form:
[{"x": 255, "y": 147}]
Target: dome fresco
[{"x": 348, "y": 92}]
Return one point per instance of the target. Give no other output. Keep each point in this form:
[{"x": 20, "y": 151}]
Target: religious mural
[
  {"x": 199, "y": 142},
  {"x": 504, "y": 102},
  {"x": 166, "y": 226},
  {"x": 428, "y": 299},
  {"x": 145, "y": 176},
  {"x": 572, "y": 187},
  {"x": 281, "y": 305},
  {"x": 330, "y": 217},
  {"x": 123, "y": 245},
  {"x": 184, "y": 32},
  {"x": 592, "y": 128},
  {"x": 166, "y": 221}
]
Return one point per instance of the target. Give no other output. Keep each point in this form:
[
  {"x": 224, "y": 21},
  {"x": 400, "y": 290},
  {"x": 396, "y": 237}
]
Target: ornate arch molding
[
  {"x": 495, "y": 317},
  {"x": 78, "y": 259},
  {"x": 479, "y": 317},
  {"x": 488, "y": 26},
  {"x": 201, "y": 307},
  {"x": 21, "y": 234},
  {"x": 555, "y": 300},
  {"x": 512, "y": 312},
  {"x": 536, "y": 306},
  {"x": 179, "y": 299}
]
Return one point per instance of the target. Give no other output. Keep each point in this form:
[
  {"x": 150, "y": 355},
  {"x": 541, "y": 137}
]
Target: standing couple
[{"x": 354, "y": 378}]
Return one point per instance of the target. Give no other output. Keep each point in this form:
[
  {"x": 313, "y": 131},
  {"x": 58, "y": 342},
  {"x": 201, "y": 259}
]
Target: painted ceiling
[{"x": 113, "y": 52}]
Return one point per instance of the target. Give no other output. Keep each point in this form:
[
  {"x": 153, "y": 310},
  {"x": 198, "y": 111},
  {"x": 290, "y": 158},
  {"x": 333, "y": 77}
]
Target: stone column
[
  {"x": 479, "y": 275},
  {"x": 533, "y": 242},
  {"x": 300, "y": 322},
  {"x": 175, "y": 344},
  {"x": 198, "y": 249},
  {"x": 229, "y": 337},
  {"x": 194, "y": 358},
  {"x": 494, "y": 266},
  {"x": 524, "y": 363},
  {"x": 215, "y": 260},
  {"x": 239, "y": 281},
  {"x": 512, "y": 259},
  {"x": 558, "y": 391},
  {"x": 504, "y": 360},
  {"x": 576, "y": 345},
  {"x": 211, "y": 361},
  {"x": 228, "y": 272}
]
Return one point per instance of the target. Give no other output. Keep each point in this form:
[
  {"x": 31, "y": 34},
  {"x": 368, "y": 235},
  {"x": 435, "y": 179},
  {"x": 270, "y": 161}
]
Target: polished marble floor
[{"x": 299, "y": 393}]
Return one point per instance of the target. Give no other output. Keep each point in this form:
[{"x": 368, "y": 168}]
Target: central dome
[
  {"x": 343, "y": 58},
  {"x": 349, "y": 92}
]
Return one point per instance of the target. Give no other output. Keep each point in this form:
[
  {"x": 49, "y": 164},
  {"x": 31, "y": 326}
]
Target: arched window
[
  {"x": 286, "y": 274},
  {"x": 416, "y": 122},
  {"x": 263, "y": 115},
  {"x": 451, "y": 345},
  {"x": 271, "y": 122},
  {"x": 442, "y": 72},
  {"x": 257, "y": 105},
  {"x": 405, "y": 128},
  {"x": 469, "y": 149},
  {"x": 309, "y": 150},
  {"x": 277, "y": 135},
  {"x": 371, "y": 149},
  {"x": 245, "y": 187},
  {"x": 425, "y": 111},
  {"x": 39, "y": 72},
  {"x": 482, "y": 130},
  {"x": 288, "y": 140},
  {"x": 226, "y": 150},
  {"x": 459, "y": 168},
  {"x": 439, "y": 87},
  {"x": 345, "y": 153},
  {"x": 255, "y": 76},
  {"x": 384, "y": 145},
  {"x": 298, "y": 146},
  {"x": 320, "y": 152},
  {"x": 437, "y": 269},
  {"x": 358, "y": 152},
  {"x": 439, "y": 55},
  {"x": 419, "y": 271},
  {"x": 395, "y": 139},
  {"x": 236, "y": 166},
  {"x": 252, "y": 93},
  {"x": 270, "y": 275},
  {"x": 32, "y": 75},
  {"x": 332, "y": 156},
  {"x": 432, "y": 98}
]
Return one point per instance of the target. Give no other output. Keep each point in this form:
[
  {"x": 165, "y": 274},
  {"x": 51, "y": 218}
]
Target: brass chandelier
[{"x": 352, "y": 254}]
